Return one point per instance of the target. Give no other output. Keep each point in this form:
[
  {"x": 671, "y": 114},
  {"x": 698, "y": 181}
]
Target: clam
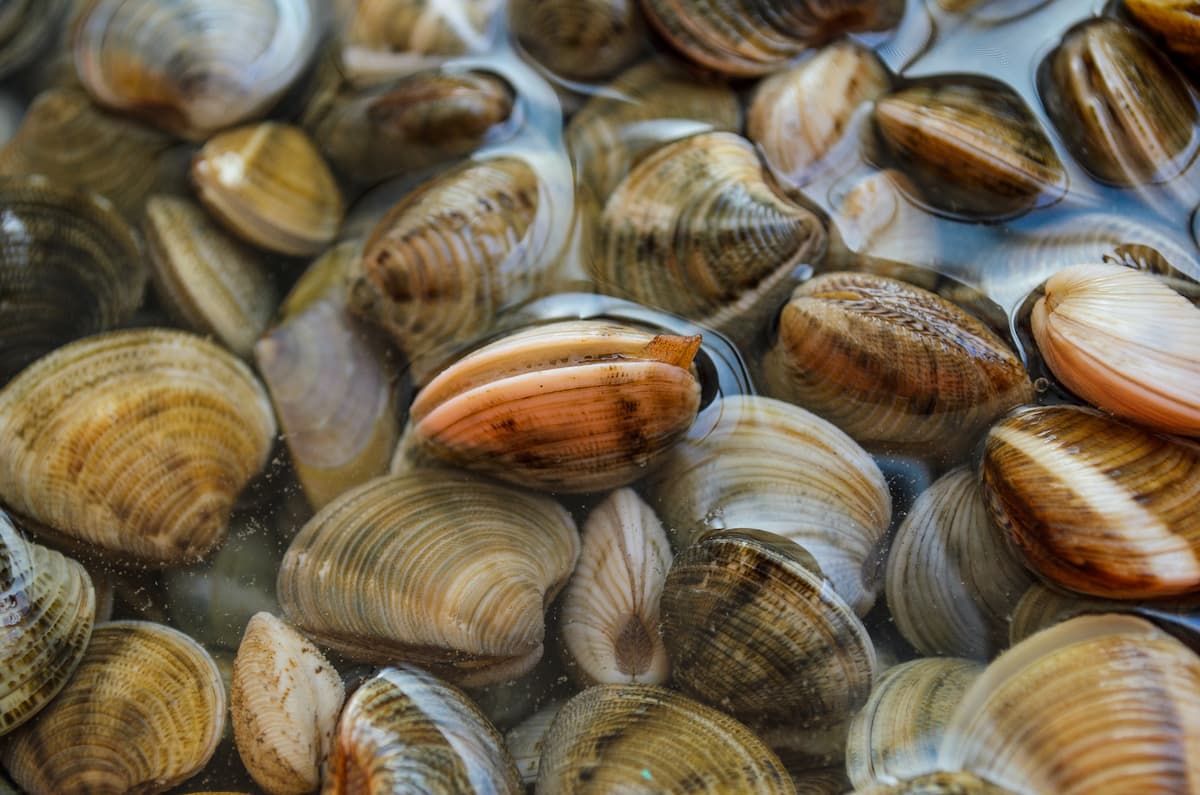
[
  {"x": 526, "y": 740},
  {"x": 874, "y": 218},
  {"x": 573, "y": 406},
  {"x": 973, "y": 148},
  {"x": 1124, "y": 341},
  {"x": 133, "y": 443},
  {"x": 697, "y": 229},
  {"x": 772, "y": 466},
  {"x": 952, "y": 581},
  {"x": 268, "y": 184},
  {"x": 579, "y": 39},
  {"x": 753, "y": 628},
  {"x": 406, "y": 731},
  {"x": 436, "y": 568},
  {"x": 893, "y": 365},
  {"x": 143, "y": 712},
  {"x": 1097, "y": 704},
  {"x": 1094, "y": 504},
  {"x": 821, "y": 781},
  {"x": 749, "y": 39},
  {"x": 25, "y": 27},
  {"x": 636, "y": 738},
  {"x": 193, "y": 67},
  {"x": 1174, "y": 20},
  {"x": 47, "y": 607},
  {"x": 897, "y": 733},
  {"x": 69, "y": 267},
  {"x": 941, "y": 783},
  {"x": 285, "y": 701},
  {"x": 610, "y": 607}
]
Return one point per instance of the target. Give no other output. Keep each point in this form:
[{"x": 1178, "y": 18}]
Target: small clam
[
  {"x": 633, "y": 738},
  {"x": 437, "y": 568},
  {"x": 574, "y": 406},
  {"x": 1124, "y": 341},
  {"x": 1175, "y": 21},
  {"x": 143, "y": 712},
  {"x": 133, "y": 443},
  {"x": 526, "y": 740},
  {"x": 406, "y": 731},
  {"x": 1094, "y": 504},
  {"x": 268, "y": 184},
  {"x": 285, "y": 701},
  {"x": 1043, "y": 607},
  {"x": 875, "y": 218},
  {"x": 579, "y": 39},
  {"x": 960, "y": 783}
]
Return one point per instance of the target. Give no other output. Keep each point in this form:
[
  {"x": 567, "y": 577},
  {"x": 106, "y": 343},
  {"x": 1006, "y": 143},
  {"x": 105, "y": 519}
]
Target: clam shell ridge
[{"x": 135, "y": 443}]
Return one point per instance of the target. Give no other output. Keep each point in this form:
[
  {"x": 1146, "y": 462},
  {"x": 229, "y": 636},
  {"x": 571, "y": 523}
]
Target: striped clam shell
[{"x": 580, "y": 40}]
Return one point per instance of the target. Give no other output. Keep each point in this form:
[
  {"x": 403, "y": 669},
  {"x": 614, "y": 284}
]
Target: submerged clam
[
  {"x": 1175, "y": 21},
  {"x": 579, "y": 39},
  {"x": 941, "y": 783},
  {"x": 25, "y": 27}
]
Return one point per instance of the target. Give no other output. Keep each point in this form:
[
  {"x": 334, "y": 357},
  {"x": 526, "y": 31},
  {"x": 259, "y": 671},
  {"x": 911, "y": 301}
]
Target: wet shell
[
  {"x": 752, "y": 629},
  {"x": 210, "y": 282},
  {"x": 25, "y": 28},
  {"x": 1124, "y": 341},
  {"x": 772, "y": 466},
  {"x": 875, "y": 218},
  {"x": 897, "y": 733},
  {"x": 1124, "y": 110},
  {"x": 579, "y": 40},
  {"x": 143, "y": 712},
  {"x": 952, "y": 580},
  {"x": 360, "y": 575},
  {"x": 285, "y": 701},
  {"x": 697, "y": 230},
  {"x": 748, "y": 39},
  {"x": 134, "y": 443},
  {"x": 1096, "y": 505},
  {"x": 973, "y": 149},
  {"x": 1097, "y": 705},
  {"x": 1043, "y": 607},
  {"x": 574, "y": 406},
  {"x": 526, "y": 741},
  {"x": 268, "y": 184},
  {"x": 406, "y": 731},
  {"x": 961, "y": 783},
  {"x": 633, "y": 738},
  {"x": 610, "y": 608},
  {"x": 196, "y": 66},
  {"x": 893, "y": 365},
  {"x": 47, "y": 606},
  {"x": 1175, "y": 21}
]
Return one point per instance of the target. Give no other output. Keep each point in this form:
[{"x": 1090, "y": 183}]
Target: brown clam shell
[
  {"x": 579, "y": 39},
  {"x": 1176, "y": 21}
]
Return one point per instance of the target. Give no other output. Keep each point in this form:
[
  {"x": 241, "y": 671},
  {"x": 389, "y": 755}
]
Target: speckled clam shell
[
  {"x": 269, "y": 185},
  {"x": 1094, "y": 504},
  {"x": 143, "y": 712},
  {"x": 941, "y": 783},
  {"x": 436, "y": 568},
  {"x": 134, "y": 443},
  {"x": 773, "y": 466},
  {"x": 192, "y": 67},
  {"x": 1124, "y": 341},
  {"x": 752, "y": 629},
  {"x": 573, "y": 406},
  {"x": 406, "y": 731},
  {"x": 1097, "y": 704},
  {"x": 47, "y": 608},
  {"x": 893, "y": 365},
  {"x": 1173, "y": 20},
  {"x": 579, "y": 40},
  {"x": 285, "y": 700},
  {"x": 952, "y": 581}
]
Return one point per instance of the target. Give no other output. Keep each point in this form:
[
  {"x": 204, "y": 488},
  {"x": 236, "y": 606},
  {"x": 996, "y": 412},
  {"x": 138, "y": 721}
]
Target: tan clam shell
[
  {"x": 1124, "y": 341},
  {"x": 579, "y": 40},
  {"x": 821, "y": 781},
  {"x": 406, "y": 731},
  {"x": 573, "y": 406},
  {"x": 610, "y": 611},
  {"x": 891, "y": 364},
  {"x": 285, "y": 700},
  {"x": 897, "y": 732},
  {"x": 952, "y": 581},
  {"x": 776, "y": 467},
  {"x": 1097, "y": 705},
  {"x": 47, "y": 608},
  {"x": 875, "y": 218},
  {"x": 1042, "y": 607},
  {"x": 1096, "y": 505},
  {"x": 526, "y": 740},
  {"x": 134, "y": 443},
  {"x": 506, "y": 556},
  {"x": 1174, "y": 20},
  {"x": 960, "y": 783},
  {"x": 143, "y": 712}
]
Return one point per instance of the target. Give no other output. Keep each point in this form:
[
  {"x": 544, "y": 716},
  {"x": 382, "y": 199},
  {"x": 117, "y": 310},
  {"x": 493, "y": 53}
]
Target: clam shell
[
  {"x": 25, "y": 28},
  {"x": 47, "y": 607},
  {"x": 526, "y": 741},
  {"x": 642, "y": 738},
  {"x": 143, "y": 712},
  {"x": 1043, "y": 607},
  {"x": 405, "y": 731},
  {"x": 874, "y": 217},
  {"x": 1124, "y": 341},
  {"x": 268, "y": 184},
  {"x": 1174, "y": 20},
  {"x": 579, "y": 39},
  {"x": 435, "y": 567},
  {"x": 1096, "y": 505},
  {"x": 960, "y": 783},
  {"x": 134, "y": 443},
  {"x": 573, "y": 406}
]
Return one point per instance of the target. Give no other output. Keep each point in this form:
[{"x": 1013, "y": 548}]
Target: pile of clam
[{"x": 594, "y": 396}]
